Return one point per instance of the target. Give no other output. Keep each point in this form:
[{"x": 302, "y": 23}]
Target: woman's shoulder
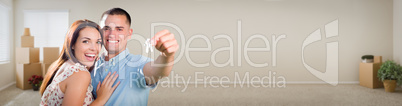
[
  {"x": 75, "y": 69},
  {"x": 73, "y": 75},
  {"x": 80, "y": 76},
  {"x": 77, "y": 73}
]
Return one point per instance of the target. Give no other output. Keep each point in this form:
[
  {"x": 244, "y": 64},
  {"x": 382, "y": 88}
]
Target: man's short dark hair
[{"x": 118, "y": 11}]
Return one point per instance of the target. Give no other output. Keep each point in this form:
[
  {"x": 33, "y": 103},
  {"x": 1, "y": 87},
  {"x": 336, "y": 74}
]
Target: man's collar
[{"x": 122, "y": 55}]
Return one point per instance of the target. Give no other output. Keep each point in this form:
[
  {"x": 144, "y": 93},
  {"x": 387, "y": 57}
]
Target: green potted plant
[
  {"x": 390, "y": 73},
  {"x": 35, "y": 81}
]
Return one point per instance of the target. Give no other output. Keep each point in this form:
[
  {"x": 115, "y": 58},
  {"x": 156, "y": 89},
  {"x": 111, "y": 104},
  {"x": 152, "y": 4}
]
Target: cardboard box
[
  {"x": 24, "y": 72},
  {"x": 50, "y": 54},
  {"x": 377, "y": 59},
  {"x": 45, "y": 67},
  {"x": 27, "y": 55},
  {"x": 27, "y": 40},
  {"x": 368, "y": 75}
]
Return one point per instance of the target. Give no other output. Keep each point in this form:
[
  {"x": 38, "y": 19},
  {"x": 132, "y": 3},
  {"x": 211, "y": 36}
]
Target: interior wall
[
  {"x": 365, "y": 27},
  {"x": 397, "y": 30},
  {"x": 7, "y": 70},
  {"x": 397, "y": 25}
]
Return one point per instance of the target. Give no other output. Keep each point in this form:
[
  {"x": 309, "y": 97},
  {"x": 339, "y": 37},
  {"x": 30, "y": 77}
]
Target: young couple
[{"x": 80, "y": 77}]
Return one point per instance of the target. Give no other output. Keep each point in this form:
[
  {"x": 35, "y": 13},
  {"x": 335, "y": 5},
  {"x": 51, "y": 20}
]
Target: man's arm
[{"x": 164, "y": 42}]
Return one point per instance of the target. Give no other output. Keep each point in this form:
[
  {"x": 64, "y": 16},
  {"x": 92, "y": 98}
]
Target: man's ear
[{"x": 131, "y": 33}]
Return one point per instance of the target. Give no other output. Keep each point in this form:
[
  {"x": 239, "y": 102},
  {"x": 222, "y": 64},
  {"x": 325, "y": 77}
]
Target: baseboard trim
[
  {"x": 290, "y": 82},
  {"x": 8, "y": 85},
  {"x": 320, "y": 82}
]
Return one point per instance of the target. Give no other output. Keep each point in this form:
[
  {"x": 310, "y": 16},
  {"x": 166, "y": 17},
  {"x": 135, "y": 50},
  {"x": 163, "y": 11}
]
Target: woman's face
[{"x": 87, "y": 46}]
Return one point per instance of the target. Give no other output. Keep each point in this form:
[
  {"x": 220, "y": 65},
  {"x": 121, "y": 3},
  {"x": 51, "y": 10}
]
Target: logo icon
[{"x": 331, "y": 74}]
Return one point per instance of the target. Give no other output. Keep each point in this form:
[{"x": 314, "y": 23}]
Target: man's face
[{"x": 116, "y": 33}]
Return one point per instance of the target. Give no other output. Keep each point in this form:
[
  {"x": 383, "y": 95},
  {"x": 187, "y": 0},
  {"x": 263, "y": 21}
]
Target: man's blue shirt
[{"x": 132, "y": 89}]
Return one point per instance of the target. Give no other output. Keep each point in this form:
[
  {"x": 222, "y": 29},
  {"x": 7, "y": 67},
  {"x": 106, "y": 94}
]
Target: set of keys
[{"x": 148, "y": 46}]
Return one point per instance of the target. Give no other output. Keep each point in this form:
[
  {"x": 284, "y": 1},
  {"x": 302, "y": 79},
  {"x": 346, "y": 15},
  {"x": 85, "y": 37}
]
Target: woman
[{"x": 68, "y": 81}]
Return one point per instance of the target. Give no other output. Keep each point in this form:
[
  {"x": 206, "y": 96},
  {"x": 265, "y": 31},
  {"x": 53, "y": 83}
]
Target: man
[{"x": 135, "y": 73}]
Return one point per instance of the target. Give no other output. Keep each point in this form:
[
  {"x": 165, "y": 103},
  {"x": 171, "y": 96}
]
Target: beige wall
[
  {"x": 365, "y": 27},
  {"x": 7, "y": 70},
  {"x": 397, "y": 30}
]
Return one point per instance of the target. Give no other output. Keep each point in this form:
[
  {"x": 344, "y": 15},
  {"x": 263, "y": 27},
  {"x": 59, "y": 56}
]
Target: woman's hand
[{"x": 105, "y": 89}]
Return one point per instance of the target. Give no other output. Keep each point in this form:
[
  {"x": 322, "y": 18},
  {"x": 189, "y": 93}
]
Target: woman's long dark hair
[{"x": 67, "y": 52}]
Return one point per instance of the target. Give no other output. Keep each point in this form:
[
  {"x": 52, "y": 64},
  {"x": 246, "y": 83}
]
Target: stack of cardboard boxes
[
  {"x": 368, "y": 73},
  {"x": 27, "y": 60}
]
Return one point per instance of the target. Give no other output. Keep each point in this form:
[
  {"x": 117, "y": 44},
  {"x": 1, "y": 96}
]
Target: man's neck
[{"x": 110, "y": 56}]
